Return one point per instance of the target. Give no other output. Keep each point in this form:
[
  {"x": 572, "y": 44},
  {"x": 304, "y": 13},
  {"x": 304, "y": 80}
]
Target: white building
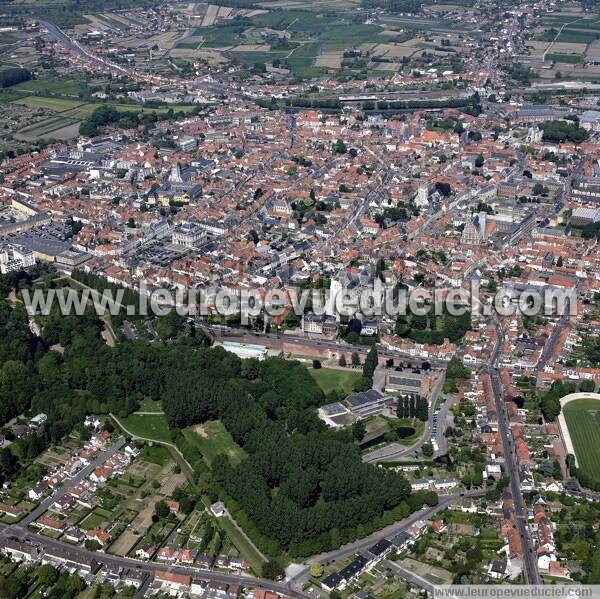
[
  {"x": 249, "y": 350},
  {"x": 422, "y": 197},
  {"x": 15, "y": 257}
]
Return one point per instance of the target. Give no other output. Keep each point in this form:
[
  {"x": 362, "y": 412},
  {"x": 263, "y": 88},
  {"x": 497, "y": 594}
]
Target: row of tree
[
  {"x": 13, "y": 76},
  {"x": 413, "y": 407}
]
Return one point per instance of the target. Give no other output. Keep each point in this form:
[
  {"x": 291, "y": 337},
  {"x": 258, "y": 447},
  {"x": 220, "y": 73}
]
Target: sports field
[{"x": 583, "y": 422}]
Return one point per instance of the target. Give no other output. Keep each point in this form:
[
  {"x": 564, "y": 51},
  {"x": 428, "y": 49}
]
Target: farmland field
[
  {"x": 51, "y": 127},
  {"x": 75, "y": 108},
  {"x": 566, "y": 58},
  {"x": 583, "y": 422},
  {"x": 58, "y": 104},
  {"x": 577, "y": 36},
  {"x": 52, "y": 85}
]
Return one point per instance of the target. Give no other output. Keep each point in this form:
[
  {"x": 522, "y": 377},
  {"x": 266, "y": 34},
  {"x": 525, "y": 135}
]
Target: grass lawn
[
  {"x": 241, "y": 542},
  {"x": 94, "y": 520},
  {"x": 213, "y": 439},
  {"x": 150, "y": 405},
  {"x": 330, "y": 378},
  {"x": 157, "y": 454},
  {"x": 583, "y": 421},
  {"x": 148, "y": 426}
]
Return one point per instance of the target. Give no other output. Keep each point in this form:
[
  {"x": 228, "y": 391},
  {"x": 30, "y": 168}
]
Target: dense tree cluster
[
  {"x": 455, "y": 371},
  {"x": 56, "y": 585},
  {"x": 394, "y": 5},
  {"x": 560, "y": 131},
  {"x": 578, "y": 538},
  {"x": 302, "y": 488},
  {"x": 550, "y": 400},
  {"x": 108, "y": 115},
  {"x": 13, "y": 76},
  {"x": 432, "y": 328}
]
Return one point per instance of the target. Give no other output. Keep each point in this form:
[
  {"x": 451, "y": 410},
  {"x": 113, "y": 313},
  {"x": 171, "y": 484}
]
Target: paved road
[
  {"x": 442, "y": 425},
  {"x": 300, "y": 576},
  {"x": 116, "y": 562},
  {"x": 64, "y": 39},
  {"x": 531, "y": 572},
  {"x": 72, "y": 482},
  {"x": 551, "y": 342}
]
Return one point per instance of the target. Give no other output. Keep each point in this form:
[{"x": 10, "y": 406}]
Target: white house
[{"x": 218, "y": 509}]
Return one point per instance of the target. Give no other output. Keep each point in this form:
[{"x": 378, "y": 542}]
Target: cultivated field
[{"x": 583, "y": 422}]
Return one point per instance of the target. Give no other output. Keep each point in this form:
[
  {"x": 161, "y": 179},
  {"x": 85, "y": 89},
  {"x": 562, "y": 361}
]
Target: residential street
[{"x": 72, "y": 482}]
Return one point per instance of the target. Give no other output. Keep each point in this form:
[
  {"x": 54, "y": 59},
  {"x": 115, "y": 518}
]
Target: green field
[
  {"x": 583, "y": 421},
  {"x": 242, "y": 543},
  {"x": 7, "y": 38},
  {"x": 150, "y": 405},
  {"x": 338, "y": 37},
  {"x": 576, "y": 36},
  {"x": 565, "y": 58},
  {"x": 76, "y": 108},
  {"x": 52, "y": 85},
  {"x": 156, "y": 454},
  {"x": 57, "y": 104},
  {"x": 213, "y": 439},
  {"x": 220, "y": 36},
  {"x": 96, "y": 518},
  {"x": 330, "y": 378},
  {"x": 148, "y": 426}
]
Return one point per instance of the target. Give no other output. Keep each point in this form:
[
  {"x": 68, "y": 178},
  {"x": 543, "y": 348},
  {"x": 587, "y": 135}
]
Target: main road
[
  {"x": 248, "y": 336},
  {"x": 80, "y": 554},
  {"x": 530, "y": 568},
  {"x": 114, "y": 562}
]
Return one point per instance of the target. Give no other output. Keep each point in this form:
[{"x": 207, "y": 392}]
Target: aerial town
[{"x": 299, "y": 299}]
